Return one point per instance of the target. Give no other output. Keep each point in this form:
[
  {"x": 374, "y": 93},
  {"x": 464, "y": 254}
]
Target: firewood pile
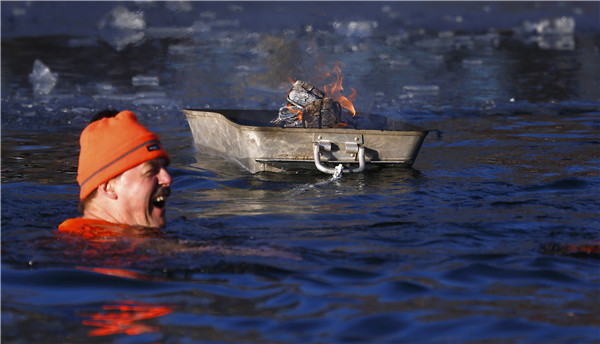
[{"x": 309, "y": 107}]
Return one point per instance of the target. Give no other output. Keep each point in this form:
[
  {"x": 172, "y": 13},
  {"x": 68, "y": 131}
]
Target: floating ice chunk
[
  {"x": 358, "y": 29},
  {"x": 556, "y": 26},
  {"x": 41, "y": 78},
  {"x": 226, "y": 41},
  {"x": 422, "y": 88},
  {"x": 104, "y": 87},
  {"x": 489, "y": 104},
  {"x": 78, "y": 110},
  {"x": 243, "y": 68},
  {"x": 489, "y": 39},
  {"x": 557, "y": 33},
  {"x": 235, "y": 8},
  {"x": 144, "y": 80},
  {"x": 200, "y": 27},
  {"x": 114, "y": 97},
  {"x": 464, "y": 42},
  {"x": 19, "y": 11},
  {"x": 179, "y": 6},
  {"x": 151, "y": 94},
  {"x": 153, "y": 99},
  {"x": 180, "y": 49},
  {"x": 159, "y": 102},
  {"x": 446, "y": 34},
  {"x": 472, "y": 62},
  {"x": 395, "y": 60},
  {"x": 556, "y": 42},
  {"x": 208, "y": 15},
  {"x": 564, "y": 25},
  {"x": 397, "y": 38},
  {"x": 454, "y": 19},
  {"x": 129, "y": 37},
  {"x": 122, "y": 18},
  {"x": 399, "y": 61},
  {"x": 121, "y": 27}
]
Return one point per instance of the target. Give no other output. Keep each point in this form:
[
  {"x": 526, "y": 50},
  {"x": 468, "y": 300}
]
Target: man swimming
[
  {"x": 122, "y": 175},
  {"x": 124, "y": 186}
]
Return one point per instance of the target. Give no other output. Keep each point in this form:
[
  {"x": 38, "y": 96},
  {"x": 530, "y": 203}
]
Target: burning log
[
  {"x": 289, "y": 116},
  {"x": 301, "y": 94},
  {"x": 322, "y": 113},
  {"x": 308, "y": 107}
]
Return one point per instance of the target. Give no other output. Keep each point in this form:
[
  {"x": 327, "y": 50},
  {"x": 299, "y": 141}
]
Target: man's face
[{"x": 142, "y": 193}]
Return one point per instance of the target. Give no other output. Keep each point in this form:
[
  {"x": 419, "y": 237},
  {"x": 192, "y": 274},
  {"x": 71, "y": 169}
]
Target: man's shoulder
[
  {"x": 101, "y": 229},
  {"x": 90, "y": 228}
]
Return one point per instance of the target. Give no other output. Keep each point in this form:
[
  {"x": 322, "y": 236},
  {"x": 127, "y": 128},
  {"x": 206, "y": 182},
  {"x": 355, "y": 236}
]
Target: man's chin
[
  {"x": 156, "y": 217},
  {"x": 155, "y": 222},
  {"x": 158, "y": 221}
]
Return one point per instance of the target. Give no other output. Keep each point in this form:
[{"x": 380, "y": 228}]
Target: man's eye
[{"x": 153, "y": 172}]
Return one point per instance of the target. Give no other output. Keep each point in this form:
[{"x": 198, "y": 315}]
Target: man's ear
[{"x": 107, "y": 190}]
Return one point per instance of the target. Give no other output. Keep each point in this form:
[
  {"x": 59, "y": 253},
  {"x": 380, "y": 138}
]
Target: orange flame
[
  {"x": 334, "y": 90},
  {"x": 294, "y": 111},
  {"x": 290, "y": 106}
]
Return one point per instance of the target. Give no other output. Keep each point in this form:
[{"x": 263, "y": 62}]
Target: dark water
[{"x": 491, "y": 237}]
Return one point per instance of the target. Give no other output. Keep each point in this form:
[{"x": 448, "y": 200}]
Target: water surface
[{"x": 491, "y": 236}]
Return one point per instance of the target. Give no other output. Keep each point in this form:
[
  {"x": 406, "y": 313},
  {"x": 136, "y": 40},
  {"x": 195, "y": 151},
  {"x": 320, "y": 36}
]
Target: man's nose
[{"x": 164, "y": 178}]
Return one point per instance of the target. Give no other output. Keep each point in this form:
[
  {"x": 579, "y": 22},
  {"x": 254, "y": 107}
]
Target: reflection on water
[
  {"x": 128, "y": 317},
  {"x": 116, "y": 272},
  {"x": 492, "y": 236}
]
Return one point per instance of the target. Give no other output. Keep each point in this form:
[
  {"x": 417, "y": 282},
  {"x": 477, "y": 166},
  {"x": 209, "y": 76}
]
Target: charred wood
[
  {"x": 301, "y": 94},
  {"x": 308, "y": 107},
  {"x": 288, "y": 117},
  {"x": 322, "y": 113}
]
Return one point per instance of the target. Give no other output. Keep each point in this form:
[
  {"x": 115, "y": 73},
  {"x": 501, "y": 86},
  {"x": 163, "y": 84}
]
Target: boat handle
[{"x": 332, "y": 170}]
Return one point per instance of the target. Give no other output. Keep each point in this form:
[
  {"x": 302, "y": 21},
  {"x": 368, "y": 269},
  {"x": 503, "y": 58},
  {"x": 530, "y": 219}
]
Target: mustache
[{"x": 164, "y": 191}]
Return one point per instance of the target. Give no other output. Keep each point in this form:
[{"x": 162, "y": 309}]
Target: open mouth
[{"x": 159, "y": 197}]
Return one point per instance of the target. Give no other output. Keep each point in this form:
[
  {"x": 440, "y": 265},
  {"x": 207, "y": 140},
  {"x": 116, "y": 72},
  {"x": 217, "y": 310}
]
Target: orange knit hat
[{"x": 111, "y": 146}]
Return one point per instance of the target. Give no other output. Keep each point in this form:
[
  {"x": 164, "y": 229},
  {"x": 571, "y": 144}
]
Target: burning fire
[
  {"x": 294, "y": 111},
  {"x": 334, "y": 89}
]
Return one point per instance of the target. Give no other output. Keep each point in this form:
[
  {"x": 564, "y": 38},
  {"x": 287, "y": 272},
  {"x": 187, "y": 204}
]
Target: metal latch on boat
[{"x": 349, "y": 145}]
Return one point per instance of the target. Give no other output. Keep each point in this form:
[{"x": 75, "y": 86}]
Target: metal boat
[{"x": 247, "y": 138}]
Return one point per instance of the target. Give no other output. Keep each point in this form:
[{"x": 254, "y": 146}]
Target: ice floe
[{"x": 42, "y": 78}]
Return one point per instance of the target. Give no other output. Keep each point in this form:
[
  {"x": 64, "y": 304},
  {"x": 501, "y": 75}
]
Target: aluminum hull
[{"x": 246, "y": 137}]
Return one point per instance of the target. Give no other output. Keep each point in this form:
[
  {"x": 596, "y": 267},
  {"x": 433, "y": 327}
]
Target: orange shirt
[
  {"x": 100, "y": 229},
  {"x": 98, "y": 242}
]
